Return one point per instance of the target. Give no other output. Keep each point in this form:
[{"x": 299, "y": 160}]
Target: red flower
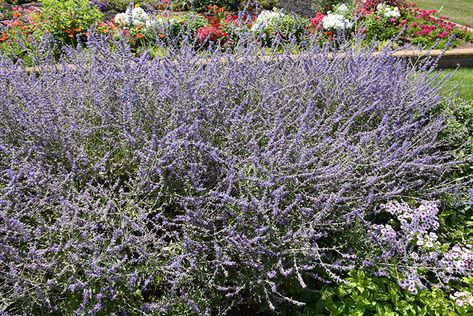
[
  {"x": 209, "y": 33},
  {"x": 231, "y": 18}
]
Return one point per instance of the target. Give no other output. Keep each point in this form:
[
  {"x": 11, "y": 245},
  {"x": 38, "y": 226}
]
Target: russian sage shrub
[{"x": 189, "y": 185}]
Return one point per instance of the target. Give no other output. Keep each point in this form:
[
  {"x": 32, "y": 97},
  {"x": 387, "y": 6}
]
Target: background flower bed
[{"x": 68, "y": 23}]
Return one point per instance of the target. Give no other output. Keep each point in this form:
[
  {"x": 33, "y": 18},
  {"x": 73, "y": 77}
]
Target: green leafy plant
[
  {"x": 366, "y": 295},
  {"x": 457, "y": 214},
  {"x": 22, "y": 34},
  {"x": 268, "y": 4},
  {"x": 201, "y": 5},
  {"x": 382, "y": 28},
  {"x": 69, "y": 19},
  {"x": 178, "y": 26},
  {"x": 327, "y": 5},
  {"x": 276, "y": 27},
  {"x": 17, "y": 2}
]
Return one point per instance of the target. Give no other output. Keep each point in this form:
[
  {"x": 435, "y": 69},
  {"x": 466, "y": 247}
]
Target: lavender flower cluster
[{"x": 137, "y": 186}]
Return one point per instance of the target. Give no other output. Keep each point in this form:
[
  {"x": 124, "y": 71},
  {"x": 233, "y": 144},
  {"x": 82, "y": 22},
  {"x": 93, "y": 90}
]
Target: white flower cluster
[
  {"x": 388, "y": 11},
  {"x": 415, "y": 221},
  {"x": 337, "y": 20},
  {"x": 266, "y": 18},
  {"x": 429, "y": 240},
  {"x": 463, "y": 298},
  {"x": 133, "y": 17},
  {"x": 459, "y": 260}
]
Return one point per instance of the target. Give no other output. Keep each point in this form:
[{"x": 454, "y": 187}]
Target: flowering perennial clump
[
  {"x": 388, "y": 11},
  {"x": 338, "y": 20},
  {"x": 417, "y": 237},
  {"x": 382, "y": 21},
  {"x": 266, "y": 18},
  {"x": 186, "y": 185},
  {"x": 133, "y": 17}
]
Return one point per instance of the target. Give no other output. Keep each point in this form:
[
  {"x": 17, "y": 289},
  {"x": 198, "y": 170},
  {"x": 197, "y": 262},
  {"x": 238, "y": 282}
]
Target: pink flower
[
  {"x": 393, "y": 20},
  {"x": 443, "y": 34},
  {"x": 403, "y": 22},
  {"x": 414, "y": 24},
  {"x": 316, "y": 22}
]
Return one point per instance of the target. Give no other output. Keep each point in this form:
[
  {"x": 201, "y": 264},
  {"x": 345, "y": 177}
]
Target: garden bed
[
  {"x": 202, "y": 164},
  {"x": 143, "y": 27}
]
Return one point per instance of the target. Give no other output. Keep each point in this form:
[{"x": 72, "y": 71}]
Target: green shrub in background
[
  {"x": 268, "y": 4},
  {"x": 17, "y": 2},
  {"x": 457, "y": 214},
  {"x": 365, "y": 295},
  {"x": 68, "y": 19},
  {"x": 327, "y": 5},
  {"x": 201, "y": 5},
  {"x": 121, "y": 5},
  {"x": 275, "y": 27},
  {"x": 181, "y": 25}
]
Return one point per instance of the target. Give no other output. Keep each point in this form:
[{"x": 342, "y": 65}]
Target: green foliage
[
  {"x": 121, "y": 5},
  {"x": 277, "y": 27},
  {"x": 22, "y": 36},
  {"x": 457, "y": 214},
  {"x": 17, "y": 2},
  {"x": 268, "y": 4},
  {"x": 67, "y": 19},
  {"x": 366, "y": 295},
  {"x": 459, "y": 132},
  {"x": 24, "y": 47},
  {"x": 380, "y": 28},
  {"x": 182, "y": 25},
  {"x": 327, "y": 5},
  {"x": 201, "y": 5}
]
